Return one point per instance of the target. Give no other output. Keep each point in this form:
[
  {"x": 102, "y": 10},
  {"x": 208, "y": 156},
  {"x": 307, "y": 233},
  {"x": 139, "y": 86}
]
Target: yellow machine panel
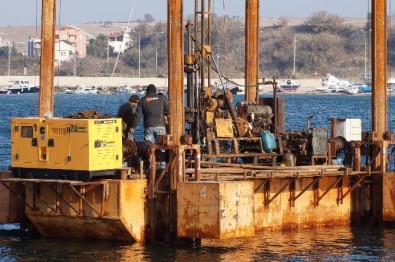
[
  {"x": 66, "y": 144},
  {"x": 224, "y": 127}
]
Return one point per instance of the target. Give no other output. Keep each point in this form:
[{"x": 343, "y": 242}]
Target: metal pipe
[
  {"x": 9, "y": 58},
  {"x": 139, "y": 55},
  {"x": 202, "y": 32},
  {"x": 176, "y": 69},
  {"x": 379, "y": 68},
  {"x": 379, "y": 102},
  {"x": 251, "y": 50},
  {"x": 294, "y": 70},
  {"x": 46, "y": 98},
  {"x": 209, "y": 18}
]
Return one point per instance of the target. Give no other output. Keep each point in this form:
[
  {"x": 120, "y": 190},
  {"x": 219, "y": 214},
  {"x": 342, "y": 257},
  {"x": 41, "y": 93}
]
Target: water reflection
[{"x": 323, "y": 244}]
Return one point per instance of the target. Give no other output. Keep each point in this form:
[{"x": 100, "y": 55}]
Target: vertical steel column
[
  {"x": 209, "y": 20},
  {"x": 202, "y": 41},
  {"x": 252, "y": 50},
  {"x": 379, "y": 68},
  {"x": 47, "y": 57},
  {"x": 175, "y": 41},
  {"x": 176, "y": 69},
  {"x": 379, "y": 102}
]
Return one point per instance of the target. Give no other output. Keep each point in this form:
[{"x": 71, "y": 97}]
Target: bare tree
[{"x": 324, "y": 22}]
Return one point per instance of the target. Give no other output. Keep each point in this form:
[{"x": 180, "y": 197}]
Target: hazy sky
[{"x": 23, "y": 12}]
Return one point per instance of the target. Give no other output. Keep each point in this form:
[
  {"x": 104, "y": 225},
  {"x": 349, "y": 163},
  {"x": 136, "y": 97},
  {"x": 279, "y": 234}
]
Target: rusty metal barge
[{"x": 230, "y": 171}]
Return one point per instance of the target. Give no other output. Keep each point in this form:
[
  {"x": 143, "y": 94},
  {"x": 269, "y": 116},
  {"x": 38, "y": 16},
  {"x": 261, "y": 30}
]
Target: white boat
[
  {"x": 127, "y": 89},
  {"x": 352, "y": 90},
  {"x": 20, "y": 87},
  {"x": 335, "y": 85},
  {"x": 289, "y": 86},
  {"x": 82, "y": 90},
  {"x": 323, "y": 88}
]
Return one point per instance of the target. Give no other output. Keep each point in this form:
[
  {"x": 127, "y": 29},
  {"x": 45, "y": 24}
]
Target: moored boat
[
  {"x": 82, "y": 90},
  {"x": 20, "y": 87},
  {"x": 289, "y": 86}
]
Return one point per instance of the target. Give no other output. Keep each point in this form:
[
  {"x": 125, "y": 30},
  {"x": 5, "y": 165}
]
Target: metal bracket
[
  {"x": 39, "y": 196},
  {"x": 353, "y": 187},
  {"x": 294, "y": 198},
  {"x": 17, "y": 195},
  {"x": 319, "y": 197},
  {"x": 267, "y": 199}
]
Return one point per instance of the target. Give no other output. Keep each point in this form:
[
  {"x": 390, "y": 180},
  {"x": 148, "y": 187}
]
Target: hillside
[{"x": 332, "y": 44}]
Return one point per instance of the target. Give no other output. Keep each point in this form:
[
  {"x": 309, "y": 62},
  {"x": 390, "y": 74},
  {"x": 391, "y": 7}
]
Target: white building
[
  {"x": 75, "y": 36},
  {"x": 2, "y": 43},
  {"x": 63, "y": 52},
  {"x": 119, "y": 41}
]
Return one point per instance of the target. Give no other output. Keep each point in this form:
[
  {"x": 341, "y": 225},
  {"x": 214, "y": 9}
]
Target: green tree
[
  {"x": 4, "y": 51},
  {"x": 98, "y": 47},
  {"x": 131, "y": 58}
]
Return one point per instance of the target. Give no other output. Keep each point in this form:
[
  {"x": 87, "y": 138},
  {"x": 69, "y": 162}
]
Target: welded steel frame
[
  {"x": 178, "y": 152},
  {"x": 3, "y": 182},
  {"x": 318, "y": 196},
  {"x": 58, "y": 193}
]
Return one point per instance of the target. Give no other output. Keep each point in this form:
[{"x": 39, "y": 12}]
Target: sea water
[{"x": 323, "y": 244}]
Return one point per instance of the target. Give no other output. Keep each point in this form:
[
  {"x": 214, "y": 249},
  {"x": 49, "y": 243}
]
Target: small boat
[
  {"x": 20, "y": 87},
  {"x": 4, "y": 90},
  {"x": 352, "y": 90},
  {"x": 82, "y": 90},
  {"x": 128, "y": 89},
  {"x": 289, "y": 86},
  {"x": 324, "y": 89},
  {"x": 336, "y": 85}
]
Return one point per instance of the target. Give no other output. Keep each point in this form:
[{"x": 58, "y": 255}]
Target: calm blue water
[
  {"x": 298, "y": 108},
  {"x": 327, "y": 244}
]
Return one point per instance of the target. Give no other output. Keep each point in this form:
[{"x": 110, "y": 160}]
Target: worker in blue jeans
[{"x": 154, "y": 108}]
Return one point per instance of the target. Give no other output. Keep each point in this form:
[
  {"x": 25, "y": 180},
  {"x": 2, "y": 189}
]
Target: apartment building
[{"x": 75, "y": 37}]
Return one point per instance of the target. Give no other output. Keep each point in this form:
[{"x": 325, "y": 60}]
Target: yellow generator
[{"x": 62, "y": 148}]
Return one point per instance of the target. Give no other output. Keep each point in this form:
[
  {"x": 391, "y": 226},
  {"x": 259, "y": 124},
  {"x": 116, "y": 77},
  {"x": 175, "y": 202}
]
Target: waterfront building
[
  {"x": 75, "y": 36},
  {"x": 119, "y": 41}
]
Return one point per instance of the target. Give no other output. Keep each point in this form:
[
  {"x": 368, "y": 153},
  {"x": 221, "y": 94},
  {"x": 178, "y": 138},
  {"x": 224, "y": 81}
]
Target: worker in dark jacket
[
  {"x": 127, "y": 112},
  {"x": 154, "y": 108}
]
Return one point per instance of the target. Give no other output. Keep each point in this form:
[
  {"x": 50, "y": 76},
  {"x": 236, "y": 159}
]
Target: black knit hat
[
  {"x": 151, "y": 88},
  {"x": 134, "y": 99}
]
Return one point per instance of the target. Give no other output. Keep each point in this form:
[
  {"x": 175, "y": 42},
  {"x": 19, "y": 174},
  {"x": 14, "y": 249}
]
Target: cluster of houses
[{"x": 71, "y": 42}]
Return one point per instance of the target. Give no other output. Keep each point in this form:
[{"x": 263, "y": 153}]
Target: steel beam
[
  {"x": 379, "y": 102},
  {"x": 251, "y": 50},
  {"x": 379, "y": 68},
  {"x": 21, "y": 198},
  {"x": 48, "y": 18},
  {"x": 176, "y": 69}
]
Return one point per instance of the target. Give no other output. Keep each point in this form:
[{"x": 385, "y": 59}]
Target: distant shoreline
[{"x": 307, "y": 85}]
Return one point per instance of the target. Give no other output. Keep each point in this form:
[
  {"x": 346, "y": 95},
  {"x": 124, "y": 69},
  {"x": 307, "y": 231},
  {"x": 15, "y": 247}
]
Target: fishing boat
[
  {"x": 20, "y": 87},
  {"x": 289, "y": 86}
]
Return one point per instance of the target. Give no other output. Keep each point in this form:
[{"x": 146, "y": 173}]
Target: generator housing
[{"x": 62, "y": 148}]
